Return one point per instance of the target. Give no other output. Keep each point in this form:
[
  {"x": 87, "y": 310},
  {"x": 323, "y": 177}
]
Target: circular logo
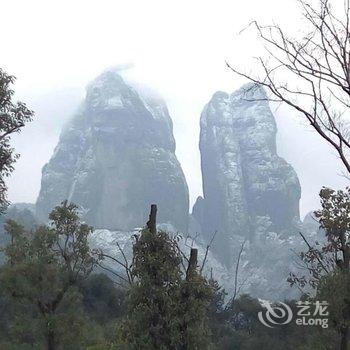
[{"x": 275, "y": 314}]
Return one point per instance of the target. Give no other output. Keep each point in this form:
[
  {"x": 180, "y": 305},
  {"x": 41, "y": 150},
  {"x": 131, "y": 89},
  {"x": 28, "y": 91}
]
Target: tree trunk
[
  {"x": 344, "y": 338},
  {"x": 186, "y": 294},
  {"x": 346, "y": 270},
  {"x": 50, "y": 339},
  {"x": 152, "y": 222},
  {"x": 192, "y": 263}
]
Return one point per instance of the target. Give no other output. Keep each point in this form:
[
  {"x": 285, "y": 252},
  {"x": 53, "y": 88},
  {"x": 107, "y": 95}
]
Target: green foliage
[
  {"x": 41, "y": 276},
  {"x": 165, "y": 310},
  {"x": 334, "y": 215},
  {"x": 334, "y": 286},
  {"x": 104, "y": 305},
  {"x": 196, "y": 294},
  {"x": 13, "y": 117},
  {"x": 218, "y": 314},
  {"x": 22, "y": 216},
  {"x": 328, "y": 265},
  {"x": 152, "y": 321},
  {"x": 102, "y": 300},
  {"x": 50, "y": 298},
  {"x": 335, "y": 289},
  {"x": 238, "y": 328}
]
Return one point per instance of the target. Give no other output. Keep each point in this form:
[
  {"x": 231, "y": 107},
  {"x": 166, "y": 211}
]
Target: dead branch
[
  {"x": 192, "y": 263},
  {"x": 152, "y": 222},
  {"x": 319, "y": 63},
  {"x": 207, "y": 250},
  {"x": 236, "y": 287},
  {"x": 193, "y": 239}
]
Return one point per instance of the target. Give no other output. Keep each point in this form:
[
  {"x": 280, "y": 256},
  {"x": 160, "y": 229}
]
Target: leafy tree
[
  {"x": 334, "y": 288},
  {"x": 13, "y": 117},
  {"x": 196, "y": 294},
  {"x": 152, "y": 321},
  {"x": 42, "y": 273},
  {"x": 334, "y": 218},
  {"x": 165, "y": 310},
  {"x": 221, "y": 331},
  {"x": 328, "y": 265},
  {"x": 22, "y": 216},
  {"x": 103, "y": 303},
  {"x": 242, "y": 330},
  {"x": 102, "y": 300}
]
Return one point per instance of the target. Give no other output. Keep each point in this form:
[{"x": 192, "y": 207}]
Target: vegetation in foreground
[{"x": 51, "y": 298}]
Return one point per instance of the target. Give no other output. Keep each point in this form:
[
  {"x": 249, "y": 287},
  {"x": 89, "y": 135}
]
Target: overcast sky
[{"x": 178, "y": 48}]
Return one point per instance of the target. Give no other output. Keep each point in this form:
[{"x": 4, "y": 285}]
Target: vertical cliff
[
  {"x": 246, "y": 185},
  {"x": 115, "y": 158}
]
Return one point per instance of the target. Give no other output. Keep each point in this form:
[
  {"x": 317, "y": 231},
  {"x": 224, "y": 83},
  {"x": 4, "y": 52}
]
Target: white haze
[{"x": 178, "y": 48}]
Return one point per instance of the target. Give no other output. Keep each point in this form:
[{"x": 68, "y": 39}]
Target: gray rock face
[
  {"x": 246, "y": 185},
  {"x": 115, "y": 158},
  {"x": 264, "y": 267}
]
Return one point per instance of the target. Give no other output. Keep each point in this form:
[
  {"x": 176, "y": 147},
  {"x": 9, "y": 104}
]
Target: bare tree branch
[
  {"x": 207, "y": 250},
  {"x": 236, "y": 287},
  {"x": 319, "y": 64}
]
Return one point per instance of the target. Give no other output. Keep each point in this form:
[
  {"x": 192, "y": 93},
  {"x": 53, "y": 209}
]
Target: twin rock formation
[{"x": 117, "y": 156}]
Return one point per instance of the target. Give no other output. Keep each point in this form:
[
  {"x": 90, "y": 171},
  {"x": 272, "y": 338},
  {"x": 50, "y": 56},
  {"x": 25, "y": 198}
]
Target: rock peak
[
  {"x": 245, "y": 182},
  {"x": 115, "y": 158}
]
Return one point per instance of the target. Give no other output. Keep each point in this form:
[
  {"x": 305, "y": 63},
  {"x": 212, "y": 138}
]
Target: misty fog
[{"x": 178, "y": 49}]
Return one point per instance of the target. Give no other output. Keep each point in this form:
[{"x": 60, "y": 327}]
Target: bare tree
[
  {"x": 237, "y": 285},
  {"x": 311, "y": 74},
  {"x": 207, "y": 251},
  {"x": 124, "y": 278}
]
